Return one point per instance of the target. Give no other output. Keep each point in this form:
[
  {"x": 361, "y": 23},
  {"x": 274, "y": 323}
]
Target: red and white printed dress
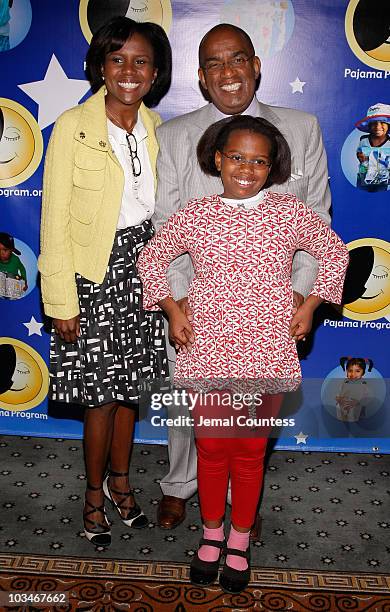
[{"x": 241, "y": 295}]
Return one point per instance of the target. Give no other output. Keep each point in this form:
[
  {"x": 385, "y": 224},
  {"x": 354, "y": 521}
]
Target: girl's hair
[
  {"x": 113, "y": 35},
  {"x": 346, "y": 362},
  {"x": 216, "y": 136}
]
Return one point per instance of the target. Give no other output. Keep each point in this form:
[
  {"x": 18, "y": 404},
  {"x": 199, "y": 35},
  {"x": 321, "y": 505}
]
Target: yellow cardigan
[{"x": 82, "y": 193}]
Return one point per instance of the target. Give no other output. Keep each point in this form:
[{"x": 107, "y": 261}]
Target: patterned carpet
[
  {"x": 325, "y": 543},
  {"x": 160, "y": 592}
]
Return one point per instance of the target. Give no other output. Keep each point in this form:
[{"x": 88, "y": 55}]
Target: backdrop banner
[{"x": 331, "y": 59}]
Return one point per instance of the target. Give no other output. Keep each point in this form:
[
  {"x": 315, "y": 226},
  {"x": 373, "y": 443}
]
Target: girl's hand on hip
[
  {"x": 301, "y": 323},
  {"x": 298, "y": 300},
  {"x": 67, "y": 329},
  {"x": 302, "y": 319}
]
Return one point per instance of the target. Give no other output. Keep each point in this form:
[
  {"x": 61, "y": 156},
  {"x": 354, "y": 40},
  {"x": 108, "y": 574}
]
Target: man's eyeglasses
[
  {"x": 214, "y": 67},
  {"x": 135, "y": 161},
  {"x": 239, "y": 160}
]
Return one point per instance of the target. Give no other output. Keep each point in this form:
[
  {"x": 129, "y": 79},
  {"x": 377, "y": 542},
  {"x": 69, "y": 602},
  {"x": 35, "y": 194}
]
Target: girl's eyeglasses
[
  {"x": 239, "y": 160},
  {"x": 135, "y": 160}
]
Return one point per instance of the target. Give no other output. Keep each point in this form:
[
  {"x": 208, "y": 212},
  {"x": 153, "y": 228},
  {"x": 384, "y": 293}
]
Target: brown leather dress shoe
[
  {"x": 256, "y": 528},
  {"x": 171, "y": 511}
]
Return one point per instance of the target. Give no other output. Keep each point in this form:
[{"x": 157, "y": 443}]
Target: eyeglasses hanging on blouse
[{"x": 135, "y": 160}]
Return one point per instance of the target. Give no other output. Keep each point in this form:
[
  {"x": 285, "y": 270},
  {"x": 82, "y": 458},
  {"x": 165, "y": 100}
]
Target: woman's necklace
[{"x": 118, "y": 123}]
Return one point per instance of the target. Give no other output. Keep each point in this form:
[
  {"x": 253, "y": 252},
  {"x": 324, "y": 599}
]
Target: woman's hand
[{"x": 67, "y": 329}]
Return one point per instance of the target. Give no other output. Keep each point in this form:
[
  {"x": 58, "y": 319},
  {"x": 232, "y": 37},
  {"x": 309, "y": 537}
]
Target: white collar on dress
[{"x": 246, "y": 203}]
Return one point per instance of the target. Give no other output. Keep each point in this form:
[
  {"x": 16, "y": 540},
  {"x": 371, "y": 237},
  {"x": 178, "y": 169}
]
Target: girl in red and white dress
[{"x": 243, "y": 328}]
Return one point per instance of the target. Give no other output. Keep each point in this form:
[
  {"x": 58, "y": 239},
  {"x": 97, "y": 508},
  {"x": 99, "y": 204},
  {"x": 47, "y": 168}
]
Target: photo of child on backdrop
[
  {"x": 5, "y": 18},
  {"x": 350, "y": 402},
  {"x": 13, "y": 276},
  {"x": 373, "y": 151}
]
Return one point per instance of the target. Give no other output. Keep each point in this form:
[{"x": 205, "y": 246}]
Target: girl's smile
[{"x": 244, "y": 164}]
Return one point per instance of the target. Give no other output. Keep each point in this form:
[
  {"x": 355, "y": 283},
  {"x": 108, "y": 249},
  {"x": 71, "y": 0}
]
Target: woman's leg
[
  {"x": 120, "y": 453},
  {"x": 98, "y": 429}
]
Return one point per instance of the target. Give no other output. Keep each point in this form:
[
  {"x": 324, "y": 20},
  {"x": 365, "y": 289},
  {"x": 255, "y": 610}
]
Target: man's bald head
[{"x": 221, "y": 27}]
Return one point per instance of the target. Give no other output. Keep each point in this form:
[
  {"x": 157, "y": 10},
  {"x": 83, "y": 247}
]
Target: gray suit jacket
[{"x": 180, "y": 178}]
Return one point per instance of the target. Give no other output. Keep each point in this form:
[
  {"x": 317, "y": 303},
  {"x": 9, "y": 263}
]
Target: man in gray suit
[{"x": 228, "y": 72}]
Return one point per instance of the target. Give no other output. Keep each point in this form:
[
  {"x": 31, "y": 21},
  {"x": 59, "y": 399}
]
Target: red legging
[{"x": 242, "y": 459}]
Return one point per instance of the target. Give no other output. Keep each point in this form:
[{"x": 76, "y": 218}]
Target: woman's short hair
[
  {"x": 216, "y": 136},
  {"x": 113, "y": 35}
]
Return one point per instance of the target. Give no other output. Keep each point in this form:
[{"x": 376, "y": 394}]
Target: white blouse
[{"x": 138, "y": 193}]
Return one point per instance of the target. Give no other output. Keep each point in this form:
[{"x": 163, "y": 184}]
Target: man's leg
[
  {"x": 181, "y": 479},
  {"x": 180, "y": 483}
]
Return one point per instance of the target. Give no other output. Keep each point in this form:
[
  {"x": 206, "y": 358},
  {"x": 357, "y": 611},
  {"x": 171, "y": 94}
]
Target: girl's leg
[
  {"x": 120, "y": 452},
  {"x": 213, "y": 476},
  {"x": 212, "y": 488},
  {"x": 246, "y": 472},
  {"x": 98, "y": 428}
]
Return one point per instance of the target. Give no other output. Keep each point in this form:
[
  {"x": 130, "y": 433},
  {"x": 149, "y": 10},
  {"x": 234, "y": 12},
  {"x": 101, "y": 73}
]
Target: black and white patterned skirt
[{"x": 120, "y": 344}]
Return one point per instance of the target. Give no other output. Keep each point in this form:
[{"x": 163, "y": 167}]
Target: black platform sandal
[
  {"x": 203, "y": 573},
  {"x": 135, "y": 517},
  {"x": 97, "y": 533},
  {"x": 232, "y": 580}
]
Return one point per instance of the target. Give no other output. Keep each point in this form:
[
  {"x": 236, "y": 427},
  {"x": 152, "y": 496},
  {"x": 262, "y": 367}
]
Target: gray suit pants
[{"x": 181, "y": 479}]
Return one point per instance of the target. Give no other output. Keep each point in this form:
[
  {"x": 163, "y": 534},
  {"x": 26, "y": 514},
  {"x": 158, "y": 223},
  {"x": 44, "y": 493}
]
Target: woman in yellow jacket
[{"x": 98, "y": 199}]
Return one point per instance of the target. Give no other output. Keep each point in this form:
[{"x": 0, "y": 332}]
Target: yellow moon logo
[
  {"x": 368, "y": 280},
  {"x": 21, "y": 143},
  {"x": 368, "y": 34},
  {"x": 24, "y": 377},
  {"x": 94, "y": 13}
]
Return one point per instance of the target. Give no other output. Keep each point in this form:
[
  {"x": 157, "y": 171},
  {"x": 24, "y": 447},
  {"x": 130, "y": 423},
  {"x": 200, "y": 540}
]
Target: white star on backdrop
[
  {"x": 34, "y": 327},
  {"x": 301, "y": 438},
  {"x": 297, "y": 86},
  {"x": 55, "y": 94}
]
